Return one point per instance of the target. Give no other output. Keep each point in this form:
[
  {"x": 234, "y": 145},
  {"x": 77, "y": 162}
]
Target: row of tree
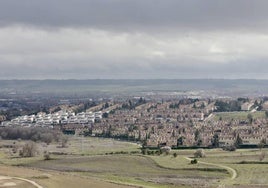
[{"x": 35, "y": 134}]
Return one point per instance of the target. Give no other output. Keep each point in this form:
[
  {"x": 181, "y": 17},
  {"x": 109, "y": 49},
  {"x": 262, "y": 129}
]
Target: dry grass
[{"x": 85, "y": 165}]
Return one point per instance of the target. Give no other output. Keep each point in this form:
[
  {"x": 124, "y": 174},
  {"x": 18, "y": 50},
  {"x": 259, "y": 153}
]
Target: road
[
  {"x": 22, "y": 179},
  {"x": 233, "y": 171}
]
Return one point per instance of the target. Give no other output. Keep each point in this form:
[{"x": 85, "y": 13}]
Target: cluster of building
[
  {"x": 189, "y": 123},
  {"x": 58, "y": 118},
  {"x": 192, "y": 124}
]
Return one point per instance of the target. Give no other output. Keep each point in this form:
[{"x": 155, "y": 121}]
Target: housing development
[{"x": 177, "y": 123}]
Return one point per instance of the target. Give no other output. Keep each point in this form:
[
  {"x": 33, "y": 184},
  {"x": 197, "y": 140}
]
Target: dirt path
[
  {"x": 22, "y": 179},
  {"x": 233, "y": 171}
]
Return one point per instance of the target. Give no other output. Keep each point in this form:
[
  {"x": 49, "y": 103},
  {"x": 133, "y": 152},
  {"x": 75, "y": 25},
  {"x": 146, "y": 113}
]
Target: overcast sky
[{"x": 83, "y": 39}]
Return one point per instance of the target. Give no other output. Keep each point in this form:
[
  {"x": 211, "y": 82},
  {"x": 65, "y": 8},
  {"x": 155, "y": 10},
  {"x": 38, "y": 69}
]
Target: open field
[
  {"x": 255, "y": 173},
  {"x": 97, "y": 162},
  {"x": 52, "y": 179},
  {"x": 238, "y": 115}
]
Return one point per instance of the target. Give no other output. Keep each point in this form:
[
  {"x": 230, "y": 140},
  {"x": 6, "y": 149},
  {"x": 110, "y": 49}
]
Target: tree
[
  {"x": 47, "y": 155},
  {"x": 197, "y": 138},
  {"x": 180, "y": 141},
  {"x": 215, "y": 141},
  {"x": 262, "y": 143},
  {"x": 29, "y": 150},
  {"x": 47, "y": 138},
  {"x": 196, "y": 135},
  {"x": 250, "y": 118},
  {"x": 238, "y": 141},
  {"x": 230, "y": 148},
  {"x": 106, "y": 105},
  {"x": 165, "y": 149},
  {"x": 105, "y": 115},
  {"x": 194, "y": 161},
  {"x": 64, "y": 140},
  {"x": 199, "y": 153}
]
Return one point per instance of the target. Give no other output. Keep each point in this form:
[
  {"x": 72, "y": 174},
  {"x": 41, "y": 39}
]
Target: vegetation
[
  {"x": 28, "y": 150},
  {"x": 194, "y": 161},
  {"x": 47, "y": 155},
  {"x": 242, "y": 116},
  {"x": 200, "y": 153},
  {"x": 120, "y": 162},
  {"x": 35, "y": 134},
  {"x": 229, "y": 106}
]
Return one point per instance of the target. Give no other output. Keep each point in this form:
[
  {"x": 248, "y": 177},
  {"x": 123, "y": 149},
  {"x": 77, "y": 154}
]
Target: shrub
[
  {"x": 29, "y": 150},
  {"x": 144, "y": 151},
  {"x": 165, "y": 149},
  {"x": 194, "y": 161},
  {"x": 64, "y": 140},
  {"x": 47, "y": 155},
  {"x": 230, "y": 148},
  {"x": 199, "y": 153},
  {"x": 175, "y": 155}
]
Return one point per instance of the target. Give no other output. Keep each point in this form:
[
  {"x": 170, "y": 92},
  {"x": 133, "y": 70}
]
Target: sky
[{"x": 136, "y": 39}]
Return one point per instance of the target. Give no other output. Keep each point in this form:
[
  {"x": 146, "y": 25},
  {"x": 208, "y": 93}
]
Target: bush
[
  {"x": 194, "y": 161},
  {"x": 144, "y": 151},
  {"x": 165, "y": 149},
  {"x": 29, "y": 150},
  {"x": 47, "y": 155},
  {"x": 199, "y": 153},
  {"x": 230, "y": 148},
  {"x": 175, "y": 155},
  {"x": 64, "y": 140},
  {"x": 29, "y": 133}
]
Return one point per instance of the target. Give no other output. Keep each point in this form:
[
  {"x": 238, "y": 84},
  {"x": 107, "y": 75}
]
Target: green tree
[
  {"x": 105, "y": 115},
  {"x": 215, "y": 141},
  {"x": 180, "y": 141},
  {"x": 106, "y": 105},
  {"x": 196, "y": 135}
]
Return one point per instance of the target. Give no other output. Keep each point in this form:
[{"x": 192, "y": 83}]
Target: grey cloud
[
  {"x": 94, "y": 39},
  {"x": 138, "y": 14},
  {"x": 117, "y": 69}
]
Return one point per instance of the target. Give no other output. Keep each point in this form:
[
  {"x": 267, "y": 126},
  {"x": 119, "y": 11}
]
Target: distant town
[{"x": 154, "y": 122}]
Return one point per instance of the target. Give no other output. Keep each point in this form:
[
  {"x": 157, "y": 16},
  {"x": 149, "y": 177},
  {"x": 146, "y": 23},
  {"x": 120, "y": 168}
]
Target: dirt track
[{"x": 10, "y": 183}]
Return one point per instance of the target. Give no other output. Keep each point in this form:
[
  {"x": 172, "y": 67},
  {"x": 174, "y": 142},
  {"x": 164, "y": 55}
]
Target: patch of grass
[
  {"x": 94, "y": 146},
  {"x": 238, "y": 115},
  {"x": 249, "y": 170}
]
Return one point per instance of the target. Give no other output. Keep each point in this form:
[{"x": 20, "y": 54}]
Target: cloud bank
[{"x": 133, "y": 39}]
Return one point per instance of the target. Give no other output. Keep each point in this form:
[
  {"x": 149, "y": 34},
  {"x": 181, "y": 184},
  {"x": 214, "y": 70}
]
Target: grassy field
[
  {"x": 95, "y": 162},
  {"x": 53, "y": 179},
  {"x": 238, "y": 115},
  {"x": 255, "y": 173}
]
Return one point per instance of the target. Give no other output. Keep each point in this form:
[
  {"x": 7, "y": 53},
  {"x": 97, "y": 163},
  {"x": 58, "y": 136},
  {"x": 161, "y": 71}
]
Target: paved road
[{"x": 22, "y": 179}]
